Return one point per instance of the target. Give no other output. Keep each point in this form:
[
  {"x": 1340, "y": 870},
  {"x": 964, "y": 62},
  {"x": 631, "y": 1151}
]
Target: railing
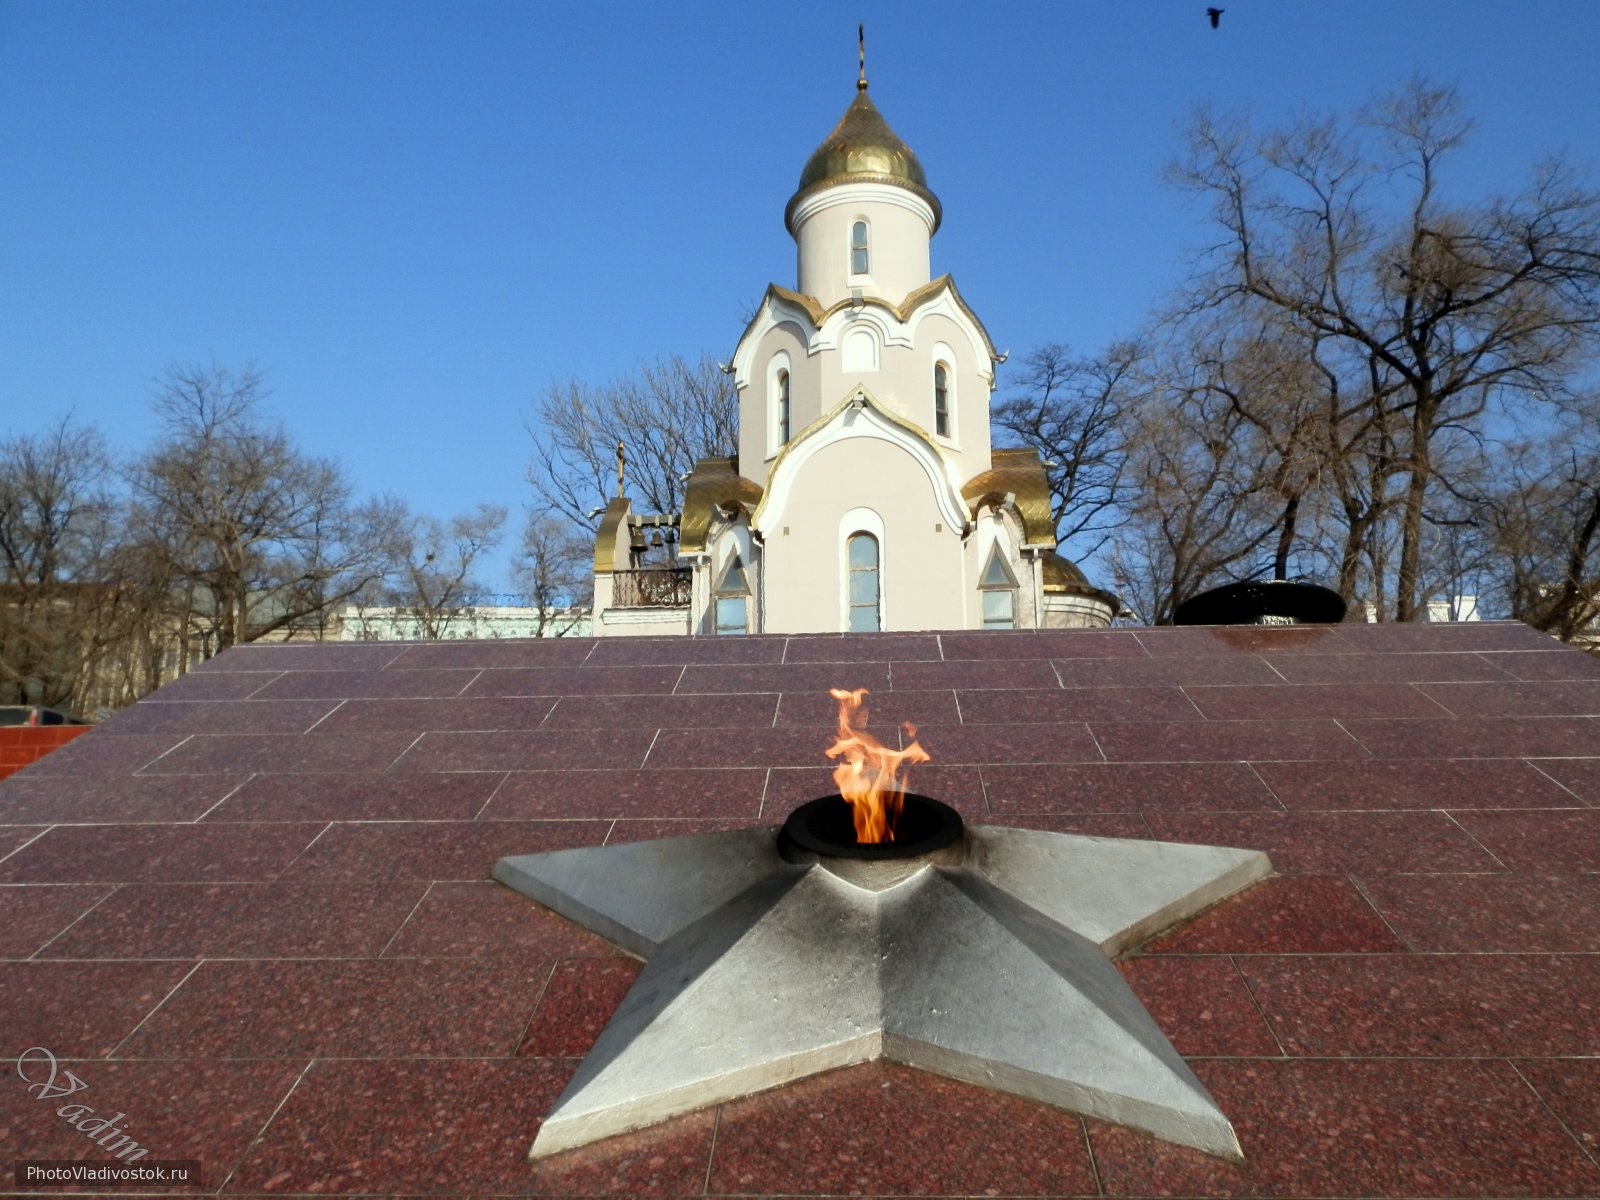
[{"x": 662, "y": 587}]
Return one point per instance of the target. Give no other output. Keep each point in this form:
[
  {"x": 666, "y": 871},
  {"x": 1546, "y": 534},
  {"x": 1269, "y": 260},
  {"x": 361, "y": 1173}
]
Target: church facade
[{"x": 865, "y": 495}]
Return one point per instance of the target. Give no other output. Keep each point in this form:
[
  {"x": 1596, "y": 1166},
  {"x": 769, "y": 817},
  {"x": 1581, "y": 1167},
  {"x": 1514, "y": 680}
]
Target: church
[{"x": 866, "y": 494}]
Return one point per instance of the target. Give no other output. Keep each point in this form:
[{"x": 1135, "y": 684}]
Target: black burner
[
  {"x": 827, "y": 827},
  {"x": 1263, "y": 602}
]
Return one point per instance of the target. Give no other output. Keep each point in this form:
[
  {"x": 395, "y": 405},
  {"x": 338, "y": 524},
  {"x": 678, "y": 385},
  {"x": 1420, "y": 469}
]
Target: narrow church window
[
  {"x": 731, "y": 598},
  {"x": 941, "y": 400},
  {"x": 998, "y": 589},
  {"x": 783, "y": 408},
  {"x": 862, "y": 558},
  {"x": 858, "y": 248}
]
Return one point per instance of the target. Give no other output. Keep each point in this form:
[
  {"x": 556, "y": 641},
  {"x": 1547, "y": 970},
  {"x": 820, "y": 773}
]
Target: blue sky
[{"x": 415, "y": 216}]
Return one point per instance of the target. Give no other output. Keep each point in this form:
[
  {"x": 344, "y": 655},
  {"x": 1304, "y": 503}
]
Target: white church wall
[
  {"x": 784, "y": 345},
  {"x": 921, "y": 562},
  {"x": 899, "y": 225}
]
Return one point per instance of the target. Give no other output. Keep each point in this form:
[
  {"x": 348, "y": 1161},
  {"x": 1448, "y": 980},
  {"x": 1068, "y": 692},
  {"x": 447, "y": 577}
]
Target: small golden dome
[{"x": 863, "y": 149}]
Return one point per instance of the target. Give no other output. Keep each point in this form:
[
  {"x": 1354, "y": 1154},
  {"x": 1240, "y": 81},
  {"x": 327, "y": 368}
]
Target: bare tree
[
  {"x": 668, "y": 414},
  {"x": 1543, "y": 519},
  {"x": 431, "y": 577},
  {"x": 259, "y": 539},
  {"x": 1073, "y": 412},
  {"x": 1201, "y": 507},
  {"x": 1430, "y": 313},
  {"x": 62, "y": 604},
  {"x": 555, "y": 571}
]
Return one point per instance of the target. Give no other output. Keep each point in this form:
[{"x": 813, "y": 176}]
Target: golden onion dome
[{"x": 863, "y": 149}]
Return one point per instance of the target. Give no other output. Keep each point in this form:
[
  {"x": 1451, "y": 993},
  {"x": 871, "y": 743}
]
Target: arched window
[
  {"x": 783, "y": 407},
  {"x": 858, "y": 248},
  {"x": 861, "y": 557},
  {"x": 731, "y": 597},
  {"x": 941, "y": 400},
  {"x": 997, "y": 587}
]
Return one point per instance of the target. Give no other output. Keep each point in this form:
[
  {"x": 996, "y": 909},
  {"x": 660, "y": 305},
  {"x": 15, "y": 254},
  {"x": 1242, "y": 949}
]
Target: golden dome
[{"x": 863, "y": 149}]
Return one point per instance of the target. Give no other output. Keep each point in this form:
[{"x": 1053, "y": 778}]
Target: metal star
[{"x": 988, "y": 962}]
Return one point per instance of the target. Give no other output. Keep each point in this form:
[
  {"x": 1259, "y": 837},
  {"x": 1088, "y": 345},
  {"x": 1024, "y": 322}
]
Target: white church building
[{"x": 866, "y": 494}]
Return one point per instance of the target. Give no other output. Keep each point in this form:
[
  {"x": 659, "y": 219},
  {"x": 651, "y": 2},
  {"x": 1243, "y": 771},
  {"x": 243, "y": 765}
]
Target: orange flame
[{"x": 868, "y": 774}]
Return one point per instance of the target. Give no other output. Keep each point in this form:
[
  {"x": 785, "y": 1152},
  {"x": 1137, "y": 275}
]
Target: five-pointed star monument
[{"x": 988, "y": 961}]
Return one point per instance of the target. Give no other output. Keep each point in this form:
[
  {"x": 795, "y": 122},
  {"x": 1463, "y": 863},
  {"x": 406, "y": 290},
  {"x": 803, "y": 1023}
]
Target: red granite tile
[
  {"x": 1314, "y": 700},
  {"x": 158, "y": 853},
  {"x": 705, "y": 792},
  {"x": 1580, "y": 776},
  {"x": 454, "y": 1127},
  {"x": 1567, "y": 841},
  {"x": 854, "y": 648},
  {"x": 315, "y": 656},
  {"x": 1198, "y": 641},
  {"x": 349, "y": 685},
  {"x": 1220, "y": 741},
  {"x": 32, "y": 914},
  {"x": 111, "y": 798},
  {"x": 361, "y": 1008},
  {"x": 14, "y": 837},
  {"x": 1313, "y": 843},
  {"x": 416, "y": 716},
  {"x": 212, "y": 754},
  {"x": 434, "y": 849},
  {"x": 1201, "y": 1004},
  {"x": 1541, "y": 664},
  {"x": 496, "y": 652},
  {"x": 1058, "y": 643},
  {"x": 1572, "y": 1090},
  {"x": 1470, "y": 783},
  {"x": 959, "y": 787},
  {"x": 666, "y": 1159},
  {"x": 80, "y": 1009},
  {"x": 888, "y": 1130},
  {"x": 1505, "y": 914},
  {"x": 669, "y": 651},
  {"x": 1066, "y": 742},
  {"x": 974, "y": 673},
  {"x": 394, "y": 797},
  {"x": 1557, "y": 698},
  {"x": 1107, "y": 825},
  {"x": 210, "y": 716},
  {"x": 885, "y": 711},
  {"x": 1359, "y": 1128},
  {"x": 1124, "y": 787},
  {"x": 211, "y": 686},
  {"x": 577, "y": 681},
  {"x": 729, "y": 713},
  {"x": 817, "y": 678},
  {"x": 788, "y": 747},
  {"x": 1430, "y": 1005},
  {"x": 1164, "y": 672},
  {"x": 202, "y": 1111},
  {"x": 92, "y": 754},
  {"x": 527, "y": 750},
  {"x": 241, "y": 920},
  {"x": 1286, "y": 914},
  {"x": 1462, "y": 636},
  {"x": 1480, "y": 737},
  {"x": 578, "y": 1003},
  {"x": 981, "y": 707},
  {"x": 1384, "y": 668},
  {"x": 471, "y": 920},
  {"x": 644, "y": 829}
]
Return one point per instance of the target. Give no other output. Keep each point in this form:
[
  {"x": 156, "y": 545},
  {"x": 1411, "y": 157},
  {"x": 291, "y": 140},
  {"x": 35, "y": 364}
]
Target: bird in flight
[{"x": 1216, "y": 16}]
